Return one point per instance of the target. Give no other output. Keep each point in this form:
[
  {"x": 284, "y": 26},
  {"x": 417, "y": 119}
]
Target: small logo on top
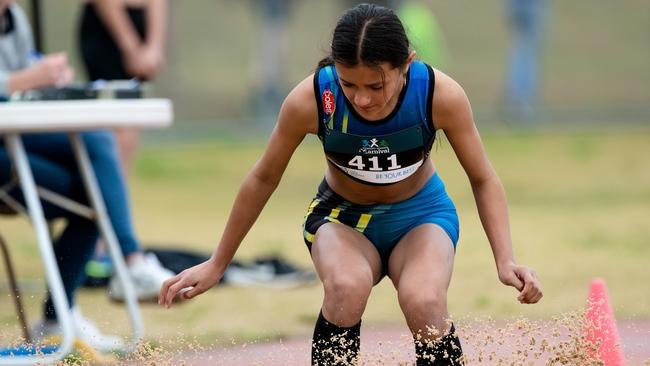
[
  {"x": 328, "y": 102},
  {"x": 374, "y": 146}
]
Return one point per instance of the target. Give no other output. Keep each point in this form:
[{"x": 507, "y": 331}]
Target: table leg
[
  {"x": 53, "y": 276},
  {"x": 106, "y": 230}
]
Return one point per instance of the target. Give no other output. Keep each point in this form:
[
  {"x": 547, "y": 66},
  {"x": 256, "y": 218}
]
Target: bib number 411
[{"x": 358, "y": 162}]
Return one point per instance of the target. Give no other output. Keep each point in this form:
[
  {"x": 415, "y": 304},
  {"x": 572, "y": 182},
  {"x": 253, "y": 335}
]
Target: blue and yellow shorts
[{"x": 384, "y": 224}]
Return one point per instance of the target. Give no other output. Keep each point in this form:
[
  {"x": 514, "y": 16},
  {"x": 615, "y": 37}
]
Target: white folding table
[{"x": 74, "y": 117}]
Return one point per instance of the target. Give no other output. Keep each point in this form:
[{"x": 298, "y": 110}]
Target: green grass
[{"x": 579, "y": 208}]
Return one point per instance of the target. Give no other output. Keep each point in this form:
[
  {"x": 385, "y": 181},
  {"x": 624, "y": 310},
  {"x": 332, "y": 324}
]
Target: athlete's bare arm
[
  {"x": 453, "y": 114},
  {"x": 298, "y": 117}
]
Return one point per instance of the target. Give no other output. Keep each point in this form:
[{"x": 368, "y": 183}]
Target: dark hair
[{"x": 368, "y": 35}]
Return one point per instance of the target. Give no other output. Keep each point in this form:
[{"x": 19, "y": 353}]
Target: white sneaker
[
  {"x": 147, "y": 276},
  {"x": 247, "y": 275},
  {"x": 84, "y": 329},
  {"x": 88, "y": 332}
]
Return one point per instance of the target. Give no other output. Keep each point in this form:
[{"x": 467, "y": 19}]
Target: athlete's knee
[
  {"x": 346, "y": 287},
  {"x": 422, "y": 302}
]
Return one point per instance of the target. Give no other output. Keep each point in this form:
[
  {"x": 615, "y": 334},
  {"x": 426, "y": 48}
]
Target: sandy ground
[
  {"x": 519, "y": 342},
  {"x": 484, "y": 345}
]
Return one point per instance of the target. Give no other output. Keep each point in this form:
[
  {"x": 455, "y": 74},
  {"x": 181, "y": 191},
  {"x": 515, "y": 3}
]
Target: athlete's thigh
[
  {"x": 424, "y": 257},
  {"x": 339, "y": 249}
]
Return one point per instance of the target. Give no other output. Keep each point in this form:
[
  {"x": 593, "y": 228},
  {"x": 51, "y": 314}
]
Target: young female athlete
[{"x": 382, "y": 208}]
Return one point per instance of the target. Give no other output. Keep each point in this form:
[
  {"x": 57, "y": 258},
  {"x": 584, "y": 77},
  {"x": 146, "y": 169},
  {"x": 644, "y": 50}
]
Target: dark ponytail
[{"x": 368, "y": 35}]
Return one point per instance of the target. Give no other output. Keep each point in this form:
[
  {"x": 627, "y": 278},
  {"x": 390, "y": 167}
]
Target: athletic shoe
[
  {"x": 99, "y": 271},
  {"x": 285, "y": 274},
  {"x": 246, "y": 275},
  {"x": 147, "y": 276},
  {"x": 268, "y": 272},
  {"x": 84, "y": 329}
]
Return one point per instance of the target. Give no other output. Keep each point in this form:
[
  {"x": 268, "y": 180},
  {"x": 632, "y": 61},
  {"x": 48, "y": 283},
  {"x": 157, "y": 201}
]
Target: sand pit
[
  {"x": 520, "y": 342},
  {"x": 559, "y": 341}
]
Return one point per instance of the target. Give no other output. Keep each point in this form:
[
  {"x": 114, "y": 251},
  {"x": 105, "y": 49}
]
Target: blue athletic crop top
[{"x": 377, "y": 152}]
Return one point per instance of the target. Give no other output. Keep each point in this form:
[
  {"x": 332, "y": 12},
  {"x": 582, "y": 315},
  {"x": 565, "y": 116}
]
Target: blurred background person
[
  {"x": 526, "y": 20},
  {"x": 423, "y": 32},
  {"x": 22, "y": 69},
  {"x": 54, "y": 167},
  {"x": 119, "y": 40},
  {"x": 270, "y": 61}
]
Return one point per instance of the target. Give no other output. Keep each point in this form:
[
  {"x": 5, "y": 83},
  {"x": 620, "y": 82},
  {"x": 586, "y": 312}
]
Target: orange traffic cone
[{"x": 601, "y": 333}]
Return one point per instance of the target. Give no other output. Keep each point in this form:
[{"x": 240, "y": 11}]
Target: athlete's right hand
[{"x": 191, "y": 282}]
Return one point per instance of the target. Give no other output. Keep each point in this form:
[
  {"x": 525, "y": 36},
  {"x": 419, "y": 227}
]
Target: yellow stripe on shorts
[
  {"x": 335, "y": 213},
  {"x": 309, "y": 236},
  {"x": 313, "y": 205},
  {"x": 362, "y": 224}
]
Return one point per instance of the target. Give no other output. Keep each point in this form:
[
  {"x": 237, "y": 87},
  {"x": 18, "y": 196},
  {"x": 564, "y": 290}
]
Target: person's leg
[
  {"x": 526, "y": 19},
  {"x": 73, "y": 250},
  {"x": 420, "y": 267},
  {"x": 128, "y": 140},
  {"x": 48, "y": 173},
  {"x": 102, "y": 151},
  {"x": 103, "y": 154},
  {"x": 348, "y": 265},
  {"x": 75, "y": 245},
  {"x": 146, "y": 272}
]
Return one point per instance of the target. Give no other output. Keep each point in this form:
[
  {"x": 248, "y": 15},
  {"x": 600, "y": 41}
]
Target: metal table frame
[{"x": 17, "y": 118}]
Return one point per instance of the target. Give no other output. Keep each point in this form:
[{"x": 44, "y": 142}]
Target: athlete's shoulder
[
  {"x": 419, "y": 70},
  {"x": 300, "y": 104},
  {"x": 302, "y": 98},
  {"x": 325, "y": 75},
  {"x": 449, "y": 99}
]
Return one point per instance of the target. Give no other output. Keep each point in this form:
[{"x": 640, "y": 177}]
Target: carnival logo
[
  {"x": 374, "y": 147},
  {"x": 328, "y": 102}
]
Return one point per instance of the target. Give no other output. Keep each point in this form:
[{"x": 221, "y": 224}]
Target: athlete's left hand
[{"x": 523, "y": 279}]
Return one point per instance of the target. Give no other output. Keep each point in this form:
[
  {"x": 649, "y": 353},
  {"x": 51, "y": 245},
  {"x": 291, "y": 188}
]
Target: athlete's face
[{"x": 372, "y": 90}]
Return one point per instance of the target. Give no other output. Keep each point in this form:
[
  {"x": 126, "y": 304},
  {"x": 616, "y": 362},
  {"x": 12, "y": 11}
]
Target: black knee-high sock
[
  {"x": 446, "y": 351},
  {"x": 333, "y": 345}
]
